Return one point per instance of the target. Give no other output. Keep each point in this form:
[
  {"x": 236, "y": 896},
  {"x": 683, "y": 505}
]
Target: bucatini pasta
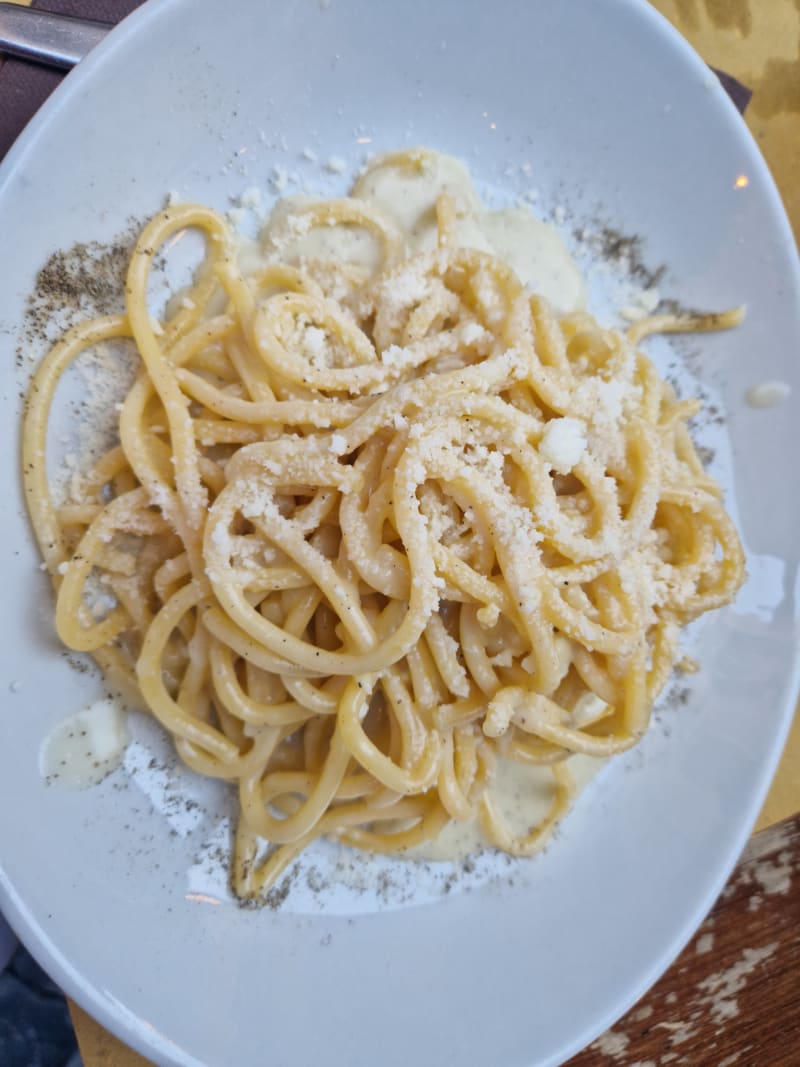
[{"x": 378, "y": 514}]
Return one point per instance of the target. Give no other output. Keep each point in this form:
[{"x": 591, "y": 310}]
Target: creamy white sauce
[
  {"x": 533, "y": 249},
  {"x": 248, "y": 254},
  {"x": 523, "y": 796},
  {"x": 408, "y": 195},
  {"x": 767, "y": 394},
  {"x": 86, "y": 747},
  {"x": 344, "y": 244}
]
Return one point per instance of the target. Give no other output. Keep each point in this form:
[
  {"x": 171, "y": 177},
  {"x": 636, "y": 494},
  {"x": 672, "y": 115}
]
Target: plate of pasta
[{"x": 400, "y": 625}]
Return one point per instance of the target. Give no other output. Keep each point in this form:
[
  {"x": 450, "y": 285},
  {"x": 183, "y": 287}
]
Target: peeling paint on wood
[{"x": 731, "y": 998}]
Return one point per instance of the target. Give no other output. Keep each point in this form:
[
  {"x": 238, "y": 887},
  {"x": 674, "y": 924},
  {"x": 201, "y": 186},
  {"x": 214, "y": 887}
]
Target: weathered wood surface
[{"x": 732, "y": 999}]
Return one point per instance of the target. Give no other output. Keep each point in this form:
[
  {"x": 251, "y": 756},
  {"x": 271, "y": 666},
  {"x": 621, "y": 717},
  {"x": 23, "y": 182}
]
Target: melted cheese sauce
[
  {"x": 522, "y": 794},
  {"x": 85, "y": 748},
  {"x": 408, "y": 195}
]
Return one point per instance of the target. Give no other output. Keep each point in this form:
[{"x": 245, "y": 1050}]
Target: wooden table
[{"x": 733, "y": 996}]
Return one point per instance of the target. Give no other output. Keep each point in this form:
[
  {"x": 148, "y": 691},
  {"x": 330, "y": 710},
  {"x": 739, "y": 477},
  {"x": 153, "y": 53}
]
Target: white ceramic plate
[{"x": 112, "y": 888}]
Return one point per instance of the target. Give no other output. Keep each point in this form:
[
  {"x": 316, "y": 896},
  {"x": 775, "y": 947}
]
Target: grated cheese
[{"x": 563, "y": 443}]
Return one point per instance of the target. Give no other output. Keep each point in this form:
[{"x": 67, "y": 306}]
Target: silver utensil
[{"x": 52, "y": 40}]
